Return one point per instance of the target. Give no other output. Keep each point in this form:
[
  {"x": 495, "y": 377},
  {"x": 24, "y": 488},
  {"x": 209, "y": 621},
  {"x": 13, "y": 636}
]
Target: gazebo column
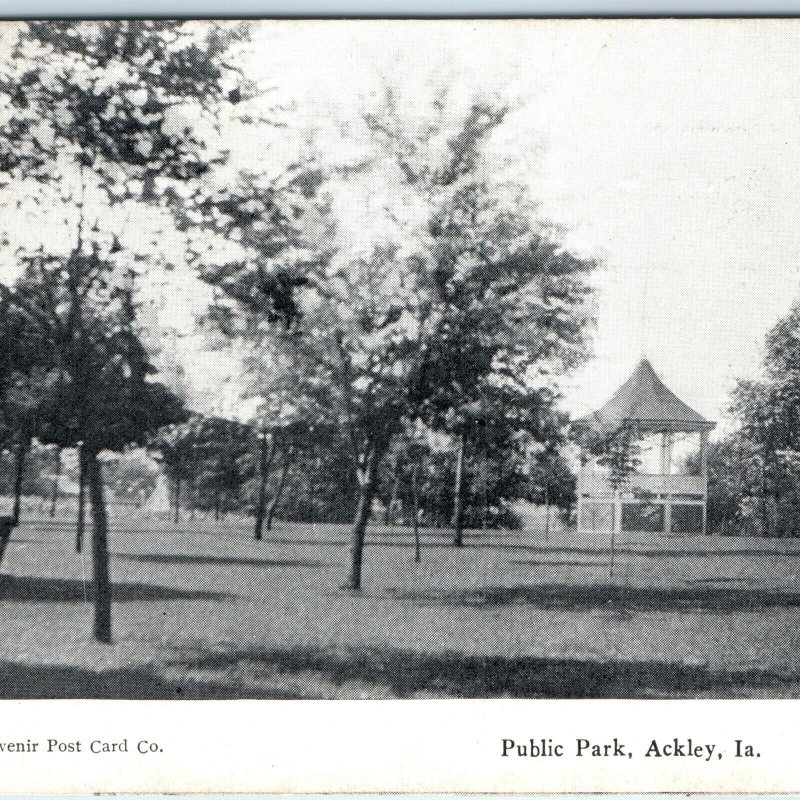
[
  {"x": 704, "y": 476},
  {"x": 666, "y": 469},
  {"x": 666, "y": 453}
]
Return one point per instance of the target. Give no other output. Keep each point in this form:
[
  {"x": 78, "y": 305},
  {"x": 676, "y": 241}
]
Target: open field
[{"x": 201, "y": 610}]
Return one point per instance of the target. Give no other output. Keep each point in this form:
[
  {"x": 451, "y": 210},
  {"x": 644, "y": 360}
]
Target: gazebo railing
[{"x": 656, "y": 484}]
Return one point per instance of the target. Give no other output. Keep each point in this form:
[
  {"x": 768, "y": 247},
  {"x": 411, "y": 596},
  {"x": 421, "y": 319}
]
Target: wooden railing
[{"x": 657, "y": 484}]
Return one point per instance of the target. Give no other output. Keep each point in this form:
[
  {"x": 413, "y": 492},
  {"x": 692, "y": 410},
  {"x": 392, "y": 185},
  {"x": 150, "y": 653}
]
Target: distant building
[{"x": 159, "y": 501}]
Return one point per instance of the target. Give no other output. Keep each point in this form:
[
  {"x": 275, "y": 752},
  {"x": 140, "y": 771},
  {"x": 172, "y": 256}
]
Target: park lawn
[{"x": 201, "y": 610}]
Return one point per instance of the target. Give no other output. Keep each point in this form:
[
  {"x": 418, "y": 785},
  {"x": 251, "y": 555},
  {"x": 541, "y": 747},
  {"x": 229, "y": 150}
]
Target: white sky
[{"x": 669, "y": 149}]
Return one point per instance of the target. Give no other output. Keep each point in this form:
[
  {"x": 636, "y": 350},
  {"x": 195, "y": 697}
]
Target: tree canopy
[{"x": 466, "y": 298}]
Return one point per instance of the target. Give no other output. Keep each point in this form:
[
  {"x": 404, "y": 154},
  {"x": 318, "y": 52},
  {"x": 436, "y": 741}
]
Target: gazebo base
[{"x": 659, "y": 515}]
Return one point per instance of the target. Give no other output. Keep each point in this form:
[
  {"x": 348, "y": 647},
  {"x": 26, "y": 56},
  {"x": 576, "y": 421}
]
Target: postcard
[{"x": 415, "y": 401}]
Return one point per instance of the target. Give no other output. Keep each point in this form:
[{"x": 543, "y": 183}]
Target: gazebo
[{"x": 663, "y": 499}]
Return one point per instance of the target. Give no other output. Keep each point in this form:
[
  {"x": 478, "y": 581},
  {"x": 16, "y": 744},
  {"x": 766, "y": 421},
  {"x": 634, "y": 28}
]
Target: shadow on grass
[
  {"x": 24, "y": 681},
  {"x": 38, "y": 590},
  {"x": 613, "y": 598},
  {"x": 406, "y": 674},
  {"x": 631, "y": 551},
  {"x": 371, "y": 541},
  {"x": 603, "y": 564},
  {"x": 170, "y": 558},
  {"x": 385, "y": 672}
]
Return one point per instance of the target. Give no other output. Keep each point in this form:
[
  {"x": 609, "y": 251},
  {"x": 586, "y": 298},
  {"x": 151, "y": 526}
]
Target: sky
[{"x": 668, "y": 150}]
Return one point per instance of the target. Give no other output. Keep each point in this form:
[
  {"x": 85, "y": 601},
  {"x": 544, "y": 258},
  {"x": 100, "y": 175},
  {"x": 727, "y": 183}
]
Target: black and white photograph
[{"x": 382, "y": 359}]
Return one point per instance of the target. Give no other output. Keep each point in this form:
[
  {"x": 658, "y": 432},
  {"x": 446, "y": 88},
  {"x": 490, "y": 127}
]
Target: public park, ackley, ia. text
[{"x": 654, "y": 748}]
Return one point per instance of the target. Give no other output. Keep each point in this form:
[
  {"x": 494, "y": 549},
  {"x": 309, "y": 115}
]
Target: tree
[
  {"x": 516, "y": 437},
  {"x": 285, "y": 429},
  {"x": 349, "y": 338},
  {"x": 112, "y": 98},
  {"x": 424, "y": 457},
  {"x": 320, "y": 484},
  {"x": 22, "y": 413},
  {"x": 512, "y": 299},
  {"x": 206, "y": 454},
  {"x": 288, "y": 456},
  {"x": 96, "y": 393},
  {"x": 411, "y": 325},
  {"x": 226, "y": 442},
  {"x": 22, "y": 353},
  {"x": 56, "y": 476},
  {"x": 616, "y": 448},
  {"x": 415, "y": 470},
  {"x": 551, "y": 482},
  {"x": 97, "y": 115},
  {"x": 266, "y": 457},
  {"x": 733, "y": 481},
  {"x": 177, "y": 448},
  {"x": 38, "y": 478},
  {"x": 131, "y": 476},
  {"x": 768, "y": 440},
  {"x": 409, "y": 456}
]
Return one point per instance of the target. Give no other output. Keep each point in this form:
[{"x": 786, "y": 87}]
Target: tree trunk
[
  {"x": 388, "y": 517},
  {"x": 366, "y": 492},
  {"x": 19, "y": 473},
  {"x": 547, "y": 513},
  {"x": 81, "y": 503},
  {"x": 278, "y": 490},
  {"x": 217, "y": 503},
  {"x": 764, "y": 507},
  {"x": 267, "y": 454},
  {"x": 5, "y": 535},
  {"x": 415, "y": 511},
  {"x": 54, "y": 494},
  {"x": 613, "y": 538},
  {"x": 772, "y": 517},
  {"x": 192, "y": 487},
  {"x": 101, "y": 577},
  {"x": 457, "y": 523},
  {"x": 485, "y": 486},
  {"x": 312, "y": 496},
  {"x": 177, "y": 497}
]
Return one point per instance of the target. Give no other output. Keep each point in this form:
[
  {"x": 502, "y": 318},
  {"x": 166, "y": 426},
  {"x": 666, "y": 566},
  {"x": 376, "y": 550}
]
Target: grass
[{"x": 203, "y": 611}]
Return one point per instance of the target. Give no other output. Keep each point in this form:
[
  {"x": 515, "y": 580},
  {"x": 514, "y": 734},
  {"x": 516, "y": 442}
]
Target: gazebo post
[
  {"x": 704, "y": 475},
  {"x": 579, "y": 490},
  {"x": 704, "y": 453},
  {"x": 666, "y": 469},
  {"x": 666, "y": 452}
]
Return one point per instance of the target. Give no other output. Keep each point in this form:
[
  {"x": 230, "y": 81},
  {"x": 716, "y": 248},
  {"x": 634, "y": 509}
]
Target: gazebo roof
[{"x": 645, "y": 400}]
